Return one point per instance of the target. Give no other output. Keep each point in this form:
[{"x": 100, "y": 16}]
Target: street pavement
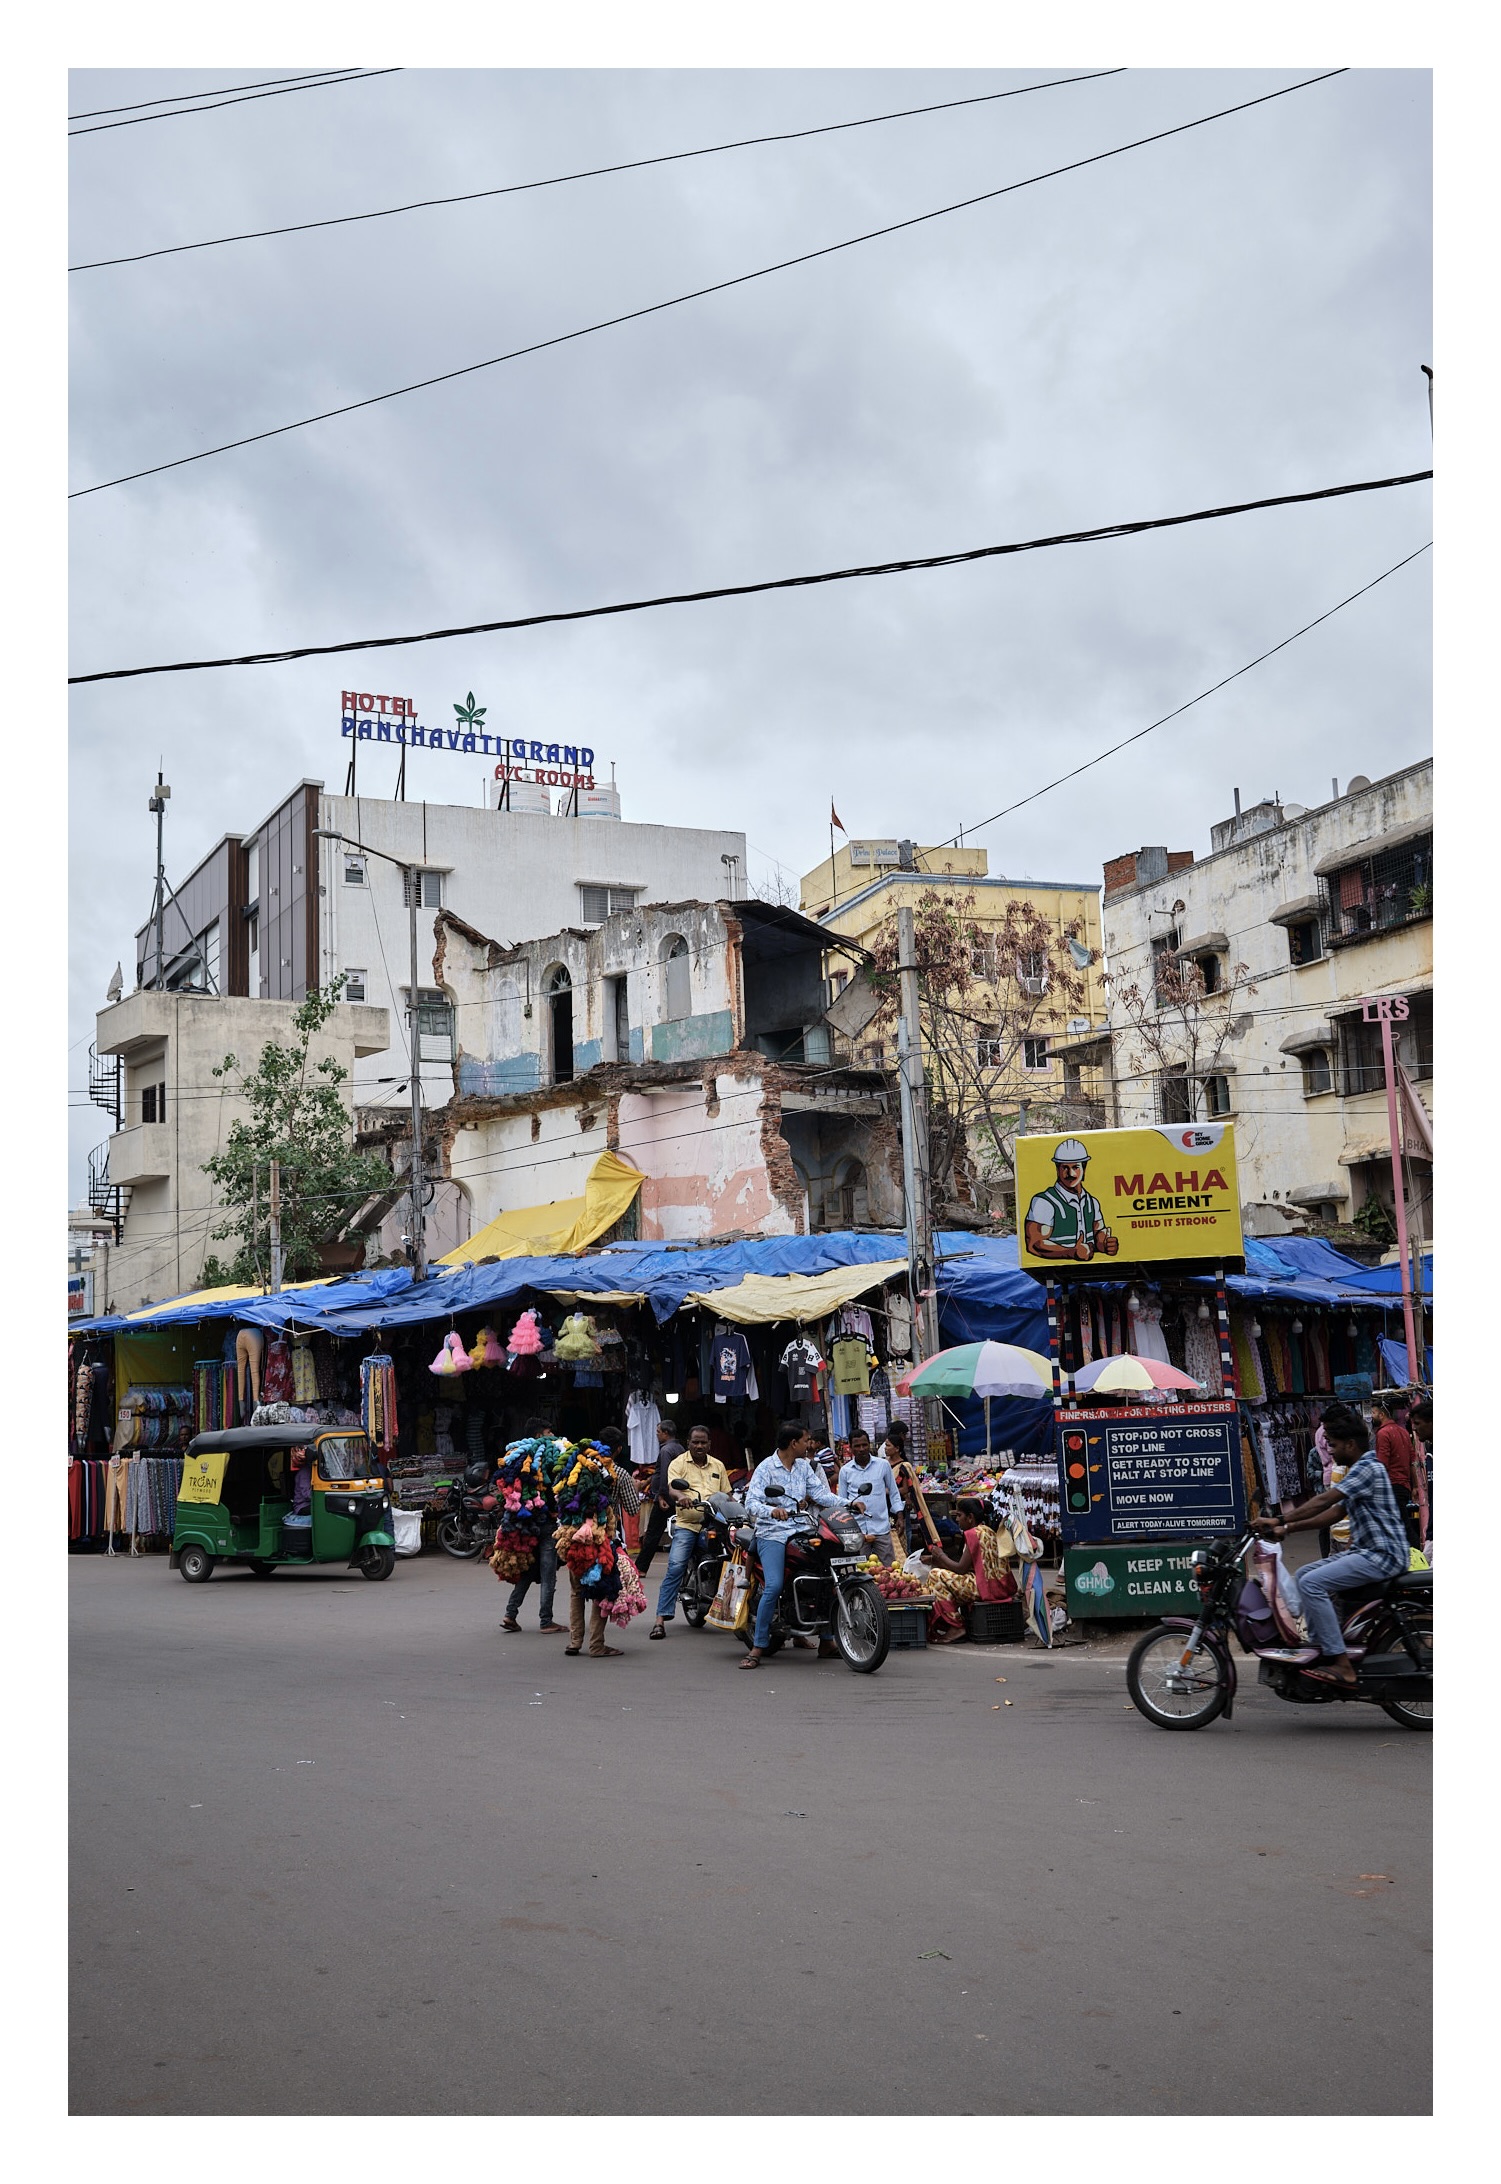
[{"x": 348, "y": 1849}]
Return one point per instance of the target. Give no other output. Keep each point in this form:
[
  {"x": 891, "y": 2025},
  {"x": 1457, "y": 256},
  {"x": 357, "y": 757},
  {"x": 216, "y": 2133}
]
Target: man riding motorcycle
[
  {"x": 775, "y": 1521},
  {"x": 1378, "y": 1539}
]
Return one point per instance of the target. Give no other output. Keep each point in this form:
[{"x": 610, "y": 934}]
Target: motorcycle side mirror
[{"x": 775, "y": 1493}]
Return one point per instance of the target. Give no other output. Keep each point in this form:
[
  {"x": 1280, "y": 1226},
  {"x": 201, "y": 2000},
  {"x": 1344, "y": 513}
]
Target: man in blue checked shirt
[
  {"x": 1378, "y": 1540},
  {"x": 800, "y": 1479},
  {"x": 867, "y": 1485}
]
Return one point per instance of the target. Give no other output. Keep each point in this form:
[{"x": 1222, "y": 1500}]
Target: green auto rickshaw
[{"x": 235, "y": 1503}]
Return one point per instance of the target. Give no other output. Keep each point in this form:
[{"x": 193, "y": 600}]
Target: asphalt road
[{"x": 342, "y": 1848}]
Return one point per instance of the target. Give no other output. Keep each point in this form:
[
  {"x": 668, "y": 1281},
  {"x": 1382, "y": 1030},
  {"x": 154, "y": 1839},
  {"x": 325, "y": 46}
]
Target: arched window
[
  {"x": 558, "y": 987},
  {"x": 846, "y": 1200},
  {"x": 677, "y": 1000}
]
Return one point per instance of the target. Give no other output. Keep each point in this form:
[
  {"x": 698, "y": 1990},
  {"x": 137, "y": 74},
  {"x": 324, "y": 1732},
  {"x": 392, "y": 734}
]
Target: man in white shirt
[{"x": 868, "y": 1486}]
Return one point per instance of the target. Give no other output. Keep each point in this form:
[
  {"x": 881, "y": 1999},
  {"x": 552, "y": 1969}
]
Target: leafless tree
[{"x": 1178, "y": 1031}]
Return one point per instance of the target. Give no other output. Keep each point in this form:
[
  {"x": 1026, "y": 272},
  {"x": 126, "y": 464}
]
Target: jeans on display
[
  {"x": 773, "y": 1554},
  {"x": 1341, "y": 1573},
  {"x": 546, "y": 1576},
  {"x": 683, "y": 1551}
]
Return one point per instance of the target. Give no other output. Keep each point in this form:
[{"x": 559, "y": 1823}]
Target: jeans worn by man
[{"x": 546, "y": 1576}]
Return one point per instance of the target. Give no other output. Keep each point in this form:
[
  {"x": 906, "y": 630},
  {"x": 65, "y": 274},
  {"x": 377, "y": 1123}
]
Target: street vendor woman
[
  {"x": 985, "y": 1556},
  {"x": 1067, "y": 1221}
]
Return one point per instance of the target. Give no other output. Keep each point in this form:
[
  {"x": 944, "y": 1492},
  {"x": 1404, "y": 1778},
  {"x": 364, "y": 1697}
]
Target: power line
[
  {"x": 177, "y": 98},
  {"x": 324, "y": 84},
  {"x": 585, "y": 174},
  {"x": 1126, "y": 741},
  {"x": 692, "y": 295},
  {"x": 770, "y": 584}
]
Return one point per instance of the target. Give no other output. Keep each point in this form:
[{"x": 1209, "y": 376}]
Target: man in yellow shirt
[{"x": 691, "y": 1479}]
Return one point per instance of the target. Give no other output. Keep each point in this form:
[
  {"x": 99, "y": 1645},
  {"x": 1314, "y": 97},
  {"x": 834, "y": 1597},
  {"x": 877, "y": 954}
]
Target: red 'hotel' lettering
[{"x": 1131, "y": 1186}]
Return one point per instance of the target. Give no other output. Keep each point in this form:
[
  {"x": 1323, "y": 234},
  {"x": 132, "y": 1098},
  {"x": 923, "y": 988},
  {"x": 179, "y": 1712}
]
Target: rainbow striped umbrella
[{"x": 981, "y": 1368}]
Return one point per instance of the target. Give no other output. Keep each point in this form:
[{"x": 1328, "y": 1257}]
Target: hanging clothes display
[
  {"x": 86, "y": 1492},
  {"x": 1201, "y": 1351},
  {"x": 304, "y": 1371},
  {"x": 802, "y": 1363},
  {"x": 214, "y": 1395},
  {"x": 276, "y": 1379},
  {"x": 850, "y": 1358},
  {"x": 853, "y": 1319},
  {"x": 151, "y": 1495},
  {"x": 898, "y": 1323},
  {"x": 378, "y": 1399},
  {"x": 733, "y": 1375},
  {"x": 642, "y": 1419},
  {"x": 1146, "y": 1330}
]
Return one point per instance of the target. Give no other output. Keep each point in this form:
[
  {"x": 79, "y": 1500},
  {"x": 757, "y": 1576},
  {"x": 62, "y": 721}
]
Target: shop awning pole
[{"x": 1403, "y": 1260}]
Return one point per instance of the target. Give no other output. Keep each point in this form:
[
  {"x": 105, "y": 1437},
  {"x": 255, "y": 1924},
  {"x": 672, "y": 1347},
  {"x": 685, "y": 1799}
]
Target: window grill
[{"x": 1378, "y": 894}]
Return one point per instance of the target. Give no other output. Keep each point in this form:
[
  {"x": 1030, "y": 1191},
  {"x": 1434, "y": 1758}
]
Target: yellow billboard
[{"x": 1101, "y": 1199}]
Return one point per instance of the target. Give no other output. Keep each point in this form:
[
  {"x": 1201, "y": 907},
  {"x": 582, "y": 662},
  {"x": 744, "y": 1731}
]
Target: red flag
[{"x": 834, "y": 818}]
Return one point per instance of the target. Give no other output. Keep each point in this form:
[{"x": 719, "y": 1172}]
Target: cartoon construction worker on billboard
[{"x": 1067, "y": 1221}]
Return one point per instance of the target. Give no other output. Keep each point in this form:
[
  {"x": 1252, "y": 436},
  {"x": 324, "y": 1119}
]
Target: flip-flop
[
  {"x": 752, "y": 1660},
  {"x": 658, "y": 1630},
  {"x": 510, "y": 1626},
  {"x": 570, "y": 1650},
  {"x": 1327, "y": 1676},
  {"x": 606, "y": 1653}
]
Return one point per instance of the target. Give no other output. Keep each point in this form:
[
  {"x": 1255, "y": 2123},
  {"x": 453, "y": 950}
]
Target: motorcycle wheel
[
  {"x": 455, "y": 1540},
  {"x": 862, "y": 1628},
  {"x": 1387, "y": 1638},
  {"x": 693, "y": 1604},
  {"x": 1172, "y": 1697}
]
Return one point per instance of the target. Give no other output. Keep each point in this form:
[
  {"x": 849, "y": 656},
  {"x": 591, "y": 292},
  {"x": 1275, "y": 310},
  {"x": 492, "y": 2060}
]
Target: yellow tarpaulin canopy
[
  {"x": 764, "y": 1297},
  {"x": 568, "y": 1224},
  {"x": 230, "y": 1294}
]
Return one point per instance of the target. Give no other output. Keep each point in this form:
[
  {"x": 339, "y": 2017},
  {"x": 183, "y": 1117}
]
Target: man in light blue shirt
[
  {"x": 867, "y": 1485},
  {"x": 800, "y": 1479}
]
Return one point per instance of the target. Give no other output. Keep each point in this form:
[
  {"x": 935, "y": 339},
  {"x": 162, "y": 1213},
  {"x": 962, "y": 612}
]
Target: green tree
[{"x": 299, "y": 1116}]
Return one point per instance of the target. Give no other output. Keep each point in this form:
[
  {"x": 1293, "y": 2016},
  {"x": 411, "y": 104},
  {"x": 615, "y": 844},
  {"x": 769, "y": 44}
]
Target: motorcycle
[
  {"x": 1182, "y": 1675},
  {"x": 823, "y": 1594},
  {"x": 716, "y": 1543},
  {"x": 467, "y": 1512}
]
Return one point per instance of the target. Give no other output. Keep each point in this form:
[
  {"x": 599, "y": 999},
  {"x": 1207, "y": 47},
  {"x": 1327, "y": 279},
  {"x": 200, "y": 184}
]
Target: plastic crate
[
  {"x": 995, "y": 1622},
  {"x": 909, "y": 1625}
]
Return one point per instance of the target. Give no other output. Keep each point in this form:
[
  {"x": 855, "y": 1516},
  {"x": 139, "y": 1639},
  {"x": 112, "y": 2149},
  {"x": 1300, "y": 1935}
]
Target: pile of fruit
[{"x": 898, "y": 1590}]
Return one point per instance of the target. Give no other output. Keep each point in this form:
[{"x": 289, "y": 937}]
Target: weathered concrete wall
[
  {"x": 706, "y": 1174},
  {"x": 178, "y": 1039},
  {"x": 1286, "y": 1141}
]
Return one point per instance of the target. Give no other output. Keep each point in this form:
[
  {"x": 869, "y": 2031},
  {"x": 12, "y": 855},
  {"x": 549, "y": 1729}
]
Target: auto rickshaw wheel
[
  {"x": 260, "y": 1568},
  {"x": 196, "y": 1564},
  {"x": 377, "y": 1562}
]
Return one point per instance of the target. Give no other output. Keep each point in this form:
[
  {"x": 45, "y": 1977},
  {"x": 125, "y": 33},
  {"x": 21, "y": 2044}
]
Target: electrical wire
[
  {"x": 693, "y": 295},
  {"x": 324, "y": 84},
  {"x": 773, "y": 584},
  {"x": 1127, "y": 741},
  {"x": 178, "y": 98},
  {"x": 585, "y": 174}
]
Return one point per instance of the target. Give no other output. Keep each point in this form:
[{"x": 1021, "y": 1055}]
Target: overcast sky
[{"x": 1237, "y": 312}]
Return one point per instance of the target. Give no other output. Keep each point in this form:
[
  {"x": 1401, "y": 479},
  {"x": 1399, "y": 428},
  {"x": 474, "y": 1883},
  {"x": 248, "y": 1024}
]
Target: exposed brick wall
[{"x": 1120, "y": 872}]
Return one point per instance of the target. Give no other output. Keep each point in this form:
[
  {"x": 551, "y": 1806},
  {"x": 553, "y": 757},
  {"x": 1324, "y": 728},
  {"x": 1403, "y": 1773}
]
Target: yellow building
[{"x": 1017, "y": 1039}]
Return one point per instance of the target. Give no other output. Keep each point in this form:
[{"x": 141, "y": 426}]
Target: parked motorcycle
[
  {"x": 1182, "y": 1675},
  {"x": 823, "y": 1595},
  {"x": 467, "y": 1512}
]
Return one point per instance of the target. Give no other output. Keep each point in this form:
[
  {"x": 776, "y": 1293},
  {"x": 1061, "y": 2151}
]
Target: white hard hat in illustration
[{"x": 1070, "y": 1149}]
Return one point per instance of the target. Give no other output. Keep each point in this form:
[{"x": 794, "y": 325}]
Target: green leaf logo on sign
[{"x": 470, "y": 714}]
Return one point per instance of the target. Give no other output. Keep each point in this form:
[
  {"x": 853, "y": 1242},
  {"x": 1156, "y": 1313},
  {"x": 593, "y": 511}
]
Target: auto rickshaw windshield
[{"x": 345, "y": 1456}]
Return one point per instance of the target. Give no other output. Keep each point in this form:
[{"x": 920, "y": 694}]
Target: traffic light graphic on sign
[{"x": 1076, "y": 1472}]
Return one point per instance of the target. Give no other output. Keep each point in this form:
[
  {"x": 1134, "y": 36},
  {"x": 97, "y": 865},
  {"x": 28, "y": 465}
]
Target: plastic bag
[
  {"x": 914, "y": 1566},
  {"x": 731, "y": 1609},
  {"x": 406, "y": 1524}
]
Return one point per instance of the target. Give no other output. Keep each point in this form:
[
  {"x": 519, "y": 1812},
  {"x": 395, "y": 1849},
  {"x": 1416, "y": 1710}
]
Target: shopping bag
[{"x": 732, "y": 1601}]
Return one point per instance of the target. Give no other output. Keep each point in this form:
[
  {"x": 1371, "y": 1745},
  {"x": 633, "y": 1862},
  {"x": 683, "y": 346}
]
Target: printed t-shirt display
[{"x": 734, "y": 1374}]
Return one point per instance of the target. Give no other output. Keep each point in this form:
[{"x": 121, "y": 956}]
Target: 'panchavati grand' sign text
[{"x": 374, "y": 716}]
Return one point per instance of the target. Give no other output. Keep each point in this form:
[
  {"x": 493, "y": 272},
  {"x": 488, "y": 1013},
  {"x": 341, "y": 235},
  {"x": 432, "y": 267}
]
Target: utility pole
[
  {"x": 255, "y": 1217},
  {"x": 915, "y": 1178},
  {"x": 1398, "y": 1195},
  {"x": 158, "y": 804},
  {"x": 419, "y": 1238},
  {"x": 275, "y": 1226}
]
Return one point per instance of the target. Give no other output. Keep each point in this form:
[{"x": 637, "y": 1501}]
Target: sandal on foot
[
  {"x": 658, "y": 1630},
  {"x": 752, "y": 1659},
  {"x": 605, "y": 1653},
  {"x": 572, "y": 1649},
  {"x": 552, "y": 1629},
  {"x": 507, "y": 1624}
]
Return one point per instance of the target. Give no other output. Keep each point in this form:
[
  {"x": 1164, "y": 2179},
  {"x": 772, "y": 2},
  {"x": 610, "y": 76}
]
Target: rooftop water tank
[
  {"x": 600, "y": 802},
  {"x": 525, "y": 796}
]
